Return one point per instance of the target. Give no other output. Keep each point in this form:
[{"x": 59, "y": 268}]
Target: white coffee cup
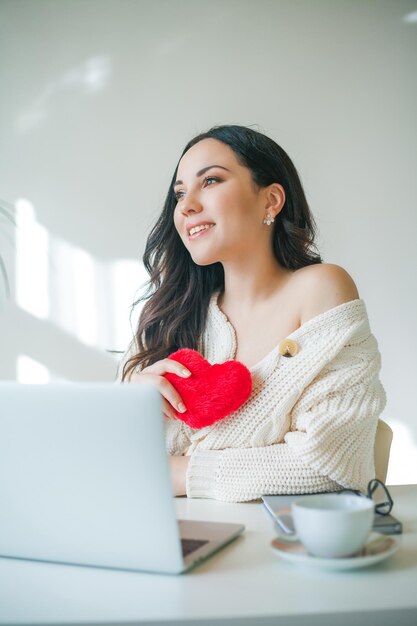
[{"x": 332, "y": 525}]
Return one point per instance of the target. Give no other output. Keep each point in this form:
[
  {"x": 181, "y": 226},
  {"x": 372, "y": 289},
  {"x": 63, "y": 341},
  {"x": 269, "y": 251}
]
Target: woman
[{"x": 235, "y": 275}]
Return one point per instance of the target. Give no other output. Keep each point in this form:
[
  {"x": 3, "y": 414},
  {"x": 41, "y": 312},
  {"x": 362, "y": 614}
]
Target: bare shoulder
[{"x": 323, "y": 286}]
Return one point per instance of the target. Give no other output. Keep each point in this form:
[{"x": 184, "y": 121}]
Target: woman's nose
[{"x": 191, "y": 204}]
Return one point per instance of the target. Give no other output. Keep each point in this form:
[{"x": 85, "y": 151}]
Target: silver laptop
[{"x": 84, "y": 479}]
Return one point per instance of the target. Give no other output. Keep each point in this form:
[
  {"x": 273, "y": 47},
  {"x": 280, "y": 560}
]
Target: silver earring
[{"x": 268, "y": 220}]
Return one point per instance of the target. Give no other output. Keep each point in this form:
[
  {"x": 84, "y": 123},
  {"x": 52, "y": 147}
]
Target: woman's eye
[{"x": 209, "y": 180}]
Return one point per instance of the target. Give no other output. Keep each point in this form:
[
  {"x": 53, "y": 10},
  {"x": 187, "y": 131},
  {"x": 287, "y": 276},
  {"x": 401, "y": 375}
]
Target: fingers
[
  {"x": 167, "y": 365},
  {"x": 168, "y": 410},
  {"x": 154, "y": 374}
]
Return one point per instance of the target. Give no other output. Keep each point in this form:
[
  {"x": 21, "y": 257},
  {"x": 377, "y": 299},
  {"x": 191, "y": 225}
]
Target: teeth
[{"x": 197, "y": 229}]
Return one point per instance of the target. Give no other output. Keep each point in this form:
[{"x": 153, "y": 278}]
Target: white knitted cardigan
[{"x": 310, "y": 422}]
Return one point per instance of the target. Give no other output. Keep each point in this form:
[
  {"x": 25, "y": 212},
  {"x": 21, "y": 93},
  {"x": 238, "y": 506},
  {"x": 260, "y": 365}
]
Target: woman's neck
[{"x": 252, "y": 283}]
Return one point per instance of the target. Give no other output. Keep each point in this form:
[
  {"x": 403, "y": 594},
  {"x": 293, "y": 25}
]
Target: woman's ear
[{"x": 275, "y": 199}]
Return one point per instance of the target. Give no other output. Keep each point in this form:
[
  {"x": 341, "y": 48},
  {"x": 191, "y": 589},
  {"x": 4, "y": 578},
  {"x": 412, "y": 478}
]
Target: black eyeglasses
[{"x": 378, "y": 492}]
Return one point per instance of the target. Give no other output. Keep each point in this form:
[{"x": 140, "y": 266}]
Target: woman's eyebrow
[{"x": 201, "y": 172}]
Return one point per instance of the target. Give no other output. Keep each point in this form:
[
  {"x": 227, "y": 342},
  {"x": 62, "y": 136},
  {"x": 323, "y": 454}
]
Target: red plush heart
[{"x": 212, "y": 391}]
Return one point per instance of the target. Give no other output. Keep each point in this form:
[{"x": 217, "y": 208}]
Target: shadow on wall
[
  {"x": 89, "y": 77},
  {"x": 70, "y": 309}
]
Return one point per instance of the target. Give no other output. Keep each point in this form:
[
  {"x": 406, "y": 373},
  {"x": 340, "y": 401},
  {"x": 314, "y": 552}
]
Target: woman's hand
[
  {"x": 154, "y": 375},
  {"x": 178, "y": 466}
]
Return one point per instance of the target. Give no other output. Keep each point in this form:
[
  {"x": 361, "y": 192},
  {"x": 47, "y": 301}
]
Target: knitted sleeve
[{"x": 330, "y": 442}]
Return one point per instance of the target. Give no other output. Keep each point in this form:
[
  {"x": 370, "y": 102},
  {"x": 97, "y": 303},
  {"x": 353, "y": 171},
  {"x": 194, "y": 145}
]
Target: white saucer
[{"x": 378, "y": 548}]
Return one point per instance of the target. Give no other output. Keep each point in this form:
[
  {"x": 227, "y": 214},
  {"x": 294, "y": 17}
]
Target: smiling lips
[{"x": 198, "y": 230}]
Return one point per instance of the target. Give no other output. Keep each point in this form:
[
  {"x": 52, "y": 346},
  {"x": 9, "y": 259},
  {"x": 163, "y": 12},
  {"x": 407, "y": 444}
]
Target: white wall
[{"x": 99, "y": 97}]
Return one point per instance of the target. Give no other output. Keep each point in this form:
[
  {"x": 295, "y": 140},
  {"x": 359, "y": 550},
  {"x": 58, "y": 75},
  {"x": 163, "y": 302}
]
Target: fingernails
[
  {"x": 186, "y": 372},
  {"x": 181, "y": 407}
]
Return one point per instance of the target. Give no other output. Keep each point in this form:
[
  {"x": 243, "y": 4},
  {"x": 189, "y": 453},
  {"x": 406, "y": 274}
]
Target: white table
[{"x": 246, "y": 583}]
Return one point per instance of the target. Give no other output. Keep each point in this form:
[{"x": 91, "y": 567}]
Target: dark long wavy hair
[{"x": 179, "y": 291}]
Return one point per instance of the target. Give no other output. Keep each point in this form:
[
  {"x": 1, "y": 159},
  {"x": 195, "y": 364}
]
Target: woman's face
[{"x": 219, "y": 213}]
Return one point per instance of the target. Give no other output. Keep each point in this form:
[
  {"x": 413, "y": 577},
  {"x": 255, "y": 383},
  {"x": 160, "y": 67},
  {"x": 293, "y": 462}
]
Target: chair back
[{"x": 382, "y": 446}]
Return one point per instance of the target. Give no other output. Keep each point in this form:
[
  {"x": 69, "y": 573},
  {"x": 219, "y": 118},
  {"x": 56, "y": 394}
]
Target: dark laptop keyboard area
[{"x": 190, "y": 545}]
